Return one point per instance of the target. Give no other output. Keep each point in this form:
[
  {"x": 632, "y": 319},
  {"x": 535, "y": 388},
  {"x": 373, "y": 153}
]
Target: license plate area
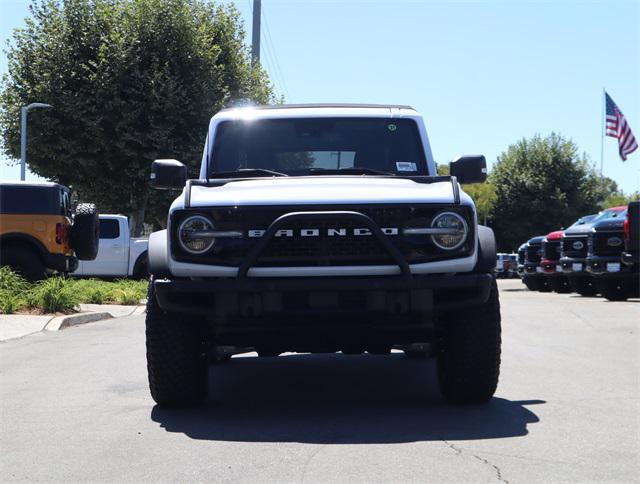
[{"x": 613, "y": 266}]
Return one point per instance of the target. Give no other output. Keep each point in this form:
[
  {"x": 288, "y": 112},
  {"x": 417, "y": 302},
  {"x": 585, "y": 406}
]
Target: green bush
[
  {"x": 10, "y": 302},
  {"x": 55, "y": 294},
  {"x": 12, "y": 282},
  {"x": 62, "y": 294},
  {"x": 91, "y": 291}
]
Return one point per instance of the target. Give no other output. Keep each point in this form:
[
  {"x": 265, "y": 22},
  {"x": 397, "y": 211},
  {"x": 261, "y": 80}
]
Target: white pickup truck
[{"x": 119, "y": 255}]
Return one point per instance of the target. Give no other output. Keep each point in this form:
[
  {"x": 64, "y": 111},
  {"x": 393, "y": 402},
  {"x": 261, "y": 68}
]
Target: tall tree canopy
[
  {"x": 130, "y": 81},
  {"x": 543, "y": 184}
]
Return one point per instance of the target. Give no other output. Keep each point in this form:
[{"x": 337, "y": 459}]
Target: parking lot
[{"x": 75, "y": 406}]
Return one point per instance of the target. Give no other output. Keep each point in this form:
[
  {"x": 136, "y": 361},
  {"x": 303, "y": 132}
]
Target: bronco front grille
[{"x": 323, "y": 250}]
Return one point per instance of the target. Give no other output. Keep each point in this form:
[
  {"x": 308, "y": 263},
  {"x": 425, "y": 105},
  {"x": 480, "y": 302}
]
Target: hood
[
  {"x": 315, "y": 190},
  {"x": 557, "y": 235},
  {"x": 536, "y": 240},
  {"x": 578, "y": 230},
  {"x": 609, "y": 225}
]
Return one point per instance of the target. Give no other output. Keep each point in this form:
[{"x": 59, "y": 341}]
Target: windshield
[
  {"x": 300, "y": 146},
  {"x": 583, "y": 220},
  {"x": 609, "y": 214}
]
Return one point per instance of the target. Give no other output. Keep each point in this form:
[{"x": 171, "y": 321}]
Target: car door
[{"x": 112, "y": 253}]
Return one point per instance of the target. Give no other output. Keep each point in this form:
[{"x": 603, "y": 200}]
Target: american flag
[{"x": 617, "y": 127}]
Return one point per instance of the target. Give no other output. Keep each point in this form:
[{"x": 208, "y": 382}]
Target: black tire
[
  {"x": 468, "y": 356},
  {"x": 531, "y": 283},
  {"x": 560, "y": 284},
  {"x": 85, "y": 232},
  {"x": 543, "y": 284},
  {"x": 141, "y": 267},
  {"x": 24, "y": 261},
  {"x": 613, "y": 289},
  {"x": 584, "y": 286},
  {"x": 176, "y": 357}
]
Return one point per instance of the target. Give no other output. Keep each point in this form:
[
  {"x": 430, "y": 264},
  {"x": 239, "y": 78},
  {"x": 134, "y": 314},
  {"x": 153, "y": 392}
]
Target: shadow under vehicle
[{"x": 334, "y": 399}]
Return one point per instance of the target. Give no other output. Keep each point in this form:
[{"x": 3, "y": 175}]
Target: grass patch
[{"x": 64, "y": 294}]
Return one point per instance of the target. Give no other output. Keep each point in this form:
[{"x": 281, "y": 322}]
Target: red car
[{"x": 550, "y": 263}]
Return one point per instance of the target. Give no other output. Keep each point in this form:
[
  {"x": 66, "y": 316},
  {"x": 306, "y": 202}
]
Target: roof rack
[{"x": 321, "y": 105}]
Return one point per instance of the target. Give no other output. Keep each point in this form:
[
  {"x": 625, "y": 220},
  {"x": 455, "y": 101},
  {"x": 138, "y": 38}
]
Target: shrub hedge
[{"x": 64, "y": 294}]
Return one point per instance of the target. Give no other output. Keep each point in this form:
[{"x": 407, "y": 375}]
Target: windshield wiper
[
  {"x": 246, "y": 173},
  {"x": 348, "y": 171}
]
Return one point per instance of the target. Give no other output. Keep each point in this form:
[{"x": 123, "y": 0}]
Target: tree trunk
[{"x": 136, "y": 216}]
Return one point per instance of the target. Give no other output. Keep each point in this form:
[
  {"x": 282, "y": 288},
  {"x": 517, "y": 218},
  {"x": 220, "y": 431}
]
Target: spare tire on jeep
[{"x": 85, "y": 232}]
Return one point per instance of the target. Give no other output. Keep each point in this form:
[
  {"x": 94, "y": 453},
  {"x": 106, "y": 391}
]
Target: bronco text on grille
[
  {"x": 330, "y": 242},
  {"x": 321, "y": 228}
]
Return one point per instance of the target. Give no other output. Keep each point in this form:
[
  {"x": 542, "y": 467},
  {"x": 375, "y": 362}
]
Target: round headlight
[
  {"x": 190, "y": 234},
  {"x": 454, "y": 230}
]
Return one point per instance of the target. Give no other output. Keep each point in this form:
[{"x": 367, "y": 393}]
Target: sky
[{"x": 484, "y": 74}]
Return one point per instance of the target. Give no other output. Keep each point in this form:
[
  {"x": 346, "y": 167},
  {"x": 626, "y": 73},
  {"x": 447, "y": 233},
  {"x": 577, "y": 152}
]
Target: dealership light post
[{"x": 23, "y": 135}]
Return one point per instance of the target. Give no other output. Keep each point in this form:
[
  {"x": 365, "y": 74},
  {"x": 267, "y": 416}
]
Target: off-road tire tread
[
  {"x": 468, "y": 358},
  {"x": 176, "y": 357},
  {"x": 85, "y": 232}
]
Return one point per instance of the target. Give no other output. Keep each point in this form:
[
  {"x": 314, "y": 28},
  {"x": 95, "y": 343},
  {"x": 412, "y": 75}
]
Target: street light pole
[{"x": 24, "y": 112}]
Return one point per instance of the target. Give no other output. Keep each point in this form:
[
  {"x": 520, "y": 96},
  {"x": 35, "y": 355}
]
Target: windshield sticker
[
  {"x": 392, "y": 127},
  {"x": 406, "y": 166}
]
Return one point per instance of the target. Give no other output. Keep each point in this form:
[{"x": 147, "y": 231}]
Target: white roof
[{"x": 316, "y": 110}]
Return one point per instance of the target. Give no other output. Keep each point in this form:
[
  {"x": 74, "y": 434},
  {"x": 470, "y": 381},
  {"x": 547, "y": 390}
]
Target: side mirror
[
  {"x": 167, "y": 174},
  {"x": 469, "y": 169}
]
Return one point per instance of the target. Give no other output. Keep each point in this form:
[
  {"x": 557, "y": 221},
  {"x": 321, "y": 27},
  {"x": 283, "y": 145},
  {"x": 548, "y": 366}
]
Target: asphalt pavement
[{"x": 75, "y": 407}]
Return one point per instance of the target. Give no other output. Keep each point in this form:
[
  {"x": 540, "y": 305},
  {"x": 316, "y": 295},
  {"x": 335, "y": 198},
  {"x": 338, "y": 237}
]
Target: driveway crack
[{"x": 462, "y": 452}]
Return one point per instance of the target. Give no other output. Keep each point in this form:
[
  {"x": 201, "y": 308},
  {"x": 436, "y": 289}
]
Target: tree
[
  {"x": 618, "y": 199},
  {"x": 130, "y": 81},
  {"x": 542, "y": 184}
]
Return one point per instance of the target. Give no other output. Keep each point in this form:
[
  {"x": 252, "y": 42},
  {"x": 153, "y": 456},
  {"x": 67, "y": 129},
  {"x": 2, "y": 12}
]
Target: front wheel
[
  {"x": 176, "y": 357},
  {"x": 613, "y": 289},
  {"x": 560, "y": 284},
  {"x": 468, "y": 358},
  {"x": 583, "y": 286}
]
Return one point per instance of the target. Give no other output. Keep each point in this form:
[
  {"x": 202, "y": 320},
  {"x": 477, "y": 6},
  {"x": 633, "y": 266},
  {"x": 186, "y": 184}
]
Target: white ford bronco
[{"x": 321, "y": 228}]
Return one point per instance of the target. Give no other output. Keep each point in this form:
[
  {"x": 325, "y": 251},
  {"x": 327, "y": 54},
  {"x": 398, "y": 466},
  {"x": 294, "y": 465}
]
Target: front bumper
[
  {"x": 552, "y": 268},
  {"x": 61, "y": 262},
  {"x": 609, "y": 267},
  {"x": 533, "y": 270},
  {"x": 574, "y": 266},
  {"x": 251, "y": 300}
]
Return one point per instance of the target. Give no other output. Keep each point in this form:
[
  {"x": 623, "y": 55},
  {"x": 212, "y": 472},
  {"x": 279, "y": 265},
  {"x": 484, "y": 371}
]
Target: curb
[
  {"x": 139, "y": 310},
  {"x": 62, "y": 322}
]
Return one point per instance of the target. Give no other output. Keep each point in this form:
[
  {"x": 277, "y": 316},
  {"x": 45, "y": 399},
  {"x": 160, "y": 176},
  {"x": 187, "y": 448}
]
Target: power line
[
  {"x": 270, "y": 60},
  {"x": 273, "y": 51}
]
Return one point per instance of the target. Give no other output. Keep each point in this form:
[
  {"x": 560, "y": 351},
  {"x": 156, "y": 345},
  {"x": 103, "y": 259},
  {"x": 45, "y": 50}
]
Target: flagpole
[{"x": 602, "y": 139}]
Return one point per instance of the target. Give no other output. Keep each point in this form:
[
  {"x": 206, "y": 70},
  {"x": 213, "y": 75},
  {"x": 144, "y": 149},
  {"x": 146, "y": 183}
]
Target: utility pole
[{"x": 255, "y": 33}]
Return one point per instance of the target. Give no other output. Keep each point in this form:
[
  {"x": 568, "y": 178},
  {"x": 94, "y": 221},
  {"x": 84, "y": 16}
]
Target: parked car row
[{"x": 598, "y": 254}]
